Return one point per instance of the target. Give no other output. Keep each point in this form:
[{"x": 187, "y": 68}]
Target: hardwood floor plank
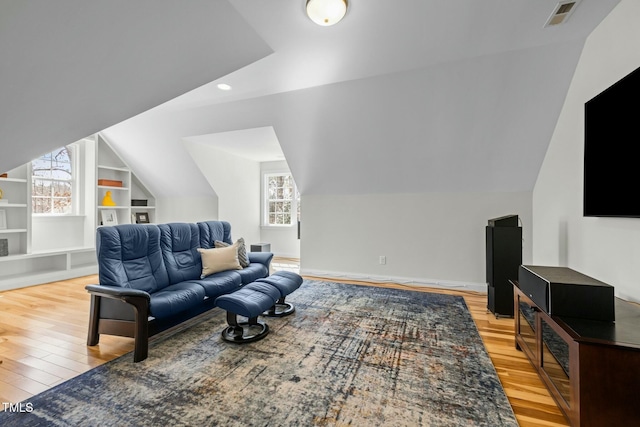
[
  {"x": 65, "y": 362},
  {"x": 23, "y": 383},
  {"x": 46, "y": 366},
  {"x": 30, "y": 372},
  {"x": 11, "y": 393}
]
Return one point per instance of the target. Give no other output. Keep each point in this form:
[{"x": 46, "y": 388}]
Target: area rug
[{"x": 350, "y": 355}]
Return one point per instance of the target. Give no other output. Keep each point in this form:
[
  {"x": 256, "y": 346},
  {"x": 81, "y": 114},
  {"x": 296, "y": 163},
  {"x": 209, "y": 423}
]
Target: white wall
[
  {"x": 428, "y": 238},
  {"x": 186, "y": 209},
  {"x": 57, "y": 232},
  {"x": 284, "y": 240},
  {"x": 236, "y": 181},
  {"x": 607, "y": 249}
]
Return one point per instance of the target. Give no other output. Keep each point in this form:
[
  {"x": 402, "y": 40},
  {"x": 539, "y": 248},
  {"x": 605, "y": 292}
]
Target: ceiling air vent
[{"x": 561, "y": 12}]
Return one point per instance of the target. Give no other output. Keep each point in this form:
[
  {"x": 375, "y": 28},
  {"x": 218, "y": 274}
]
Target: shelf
[
  {"x": 20, "y": 270},
  {"x": 49, "y": 253},
  {"x": 13, "y": 231},
  {"x": 113, "y": 168},
  {"x": 108, "y": 187},
  {"x": 24, "y": 181},
  {"x": 13, "y": 205},
  {"x": 142, "y": 207}
]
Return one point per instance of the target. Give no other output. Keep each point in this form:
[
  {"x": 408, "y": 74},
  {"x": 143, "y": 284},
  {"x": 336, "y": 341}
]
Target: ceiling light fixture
[
  {"x": 224, "y": 86},
  {"x": 326, "y": 12}
]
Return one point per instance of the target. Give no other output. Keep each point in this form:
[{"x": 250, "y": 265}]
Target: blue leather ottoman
[
  {"x": 249, "y": 301},
  {"x": 286, "y": 282}
]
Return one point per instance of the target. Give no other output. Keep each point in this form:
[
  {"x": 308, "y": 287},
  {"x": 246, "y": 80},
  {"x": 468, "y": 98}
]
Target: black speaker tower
[{"x": 504, "y": 257}]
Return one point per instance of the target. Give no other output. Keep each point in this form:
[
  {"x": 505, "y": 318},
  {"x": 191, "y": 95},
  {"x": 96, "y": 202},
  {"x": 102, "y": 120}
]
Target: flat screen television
[{"x": 611, "y": 142}]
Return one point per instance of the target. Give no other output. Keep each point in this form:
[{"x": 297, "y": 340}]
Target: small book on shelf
[{"x": 110, "y": 182}]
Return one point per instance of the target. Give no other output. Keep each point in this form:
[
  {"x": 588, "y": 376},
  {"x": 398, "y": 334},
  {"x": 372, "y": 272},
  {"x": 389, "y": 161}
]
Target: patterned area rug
[{"x": 350, "y": 355}]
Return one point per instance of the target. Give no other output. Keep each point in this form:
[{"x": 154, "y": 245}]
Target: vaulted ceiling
[{"x": 411, "y": 96}]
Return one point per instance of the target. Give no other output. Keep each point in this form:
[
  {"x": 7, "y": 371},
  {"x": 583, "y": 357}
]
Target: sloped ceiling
[
  {"x": 71, "y": 68},
  {"x": 429, "y": 96}
]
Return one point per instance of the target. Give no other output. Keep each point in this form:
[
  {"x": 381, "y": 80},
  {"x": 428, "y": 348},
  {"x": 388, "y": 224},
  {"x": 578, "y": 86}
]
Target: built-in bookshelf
[
  {"x": 15, "y": 209},
  {"x": 123, "y": 187},
  {"x": 22, "y": 266}
]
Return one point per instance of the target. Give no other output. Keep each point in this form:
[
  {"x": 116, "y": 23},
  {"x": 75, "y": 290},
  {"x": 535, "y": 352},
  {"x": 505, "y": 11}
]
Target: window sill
[{"x": 277, "y": 227}]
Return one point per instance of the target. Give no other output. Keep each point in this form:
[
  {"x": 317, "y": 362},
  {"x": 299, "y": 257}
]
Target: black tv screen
[{"x": 611, "y": 142}]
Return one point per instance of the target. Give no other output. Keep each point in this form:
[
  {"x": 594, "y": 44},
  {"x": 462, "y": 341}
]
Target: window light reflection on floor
[{"x": 285, "y": 265}]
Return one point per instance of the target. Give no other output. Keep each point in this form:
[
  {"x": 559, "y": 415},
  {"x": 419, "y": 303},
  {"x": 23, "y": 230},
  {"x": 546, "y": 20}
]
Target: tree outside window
[
  {"x": 53, "y": 177},
  {"x": 281, "y": 200}
]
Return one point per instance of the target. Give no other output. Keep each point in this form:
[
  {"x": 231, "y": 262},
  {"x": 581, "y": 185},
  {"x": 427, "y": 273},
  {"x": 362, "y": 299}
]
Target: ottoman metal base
[
  {"x": 280, "y": 309},
  {"x": 244, "y": 332}
]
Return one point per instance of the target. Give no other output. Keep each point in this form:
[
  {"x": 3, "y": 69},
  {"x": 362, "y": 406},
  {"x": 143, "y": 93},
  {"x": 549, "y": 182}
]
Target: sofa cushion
[
  {"x": 285, "y": 281},
  {"x": 217, "y": 260},
  {"x": 250, "y": 301},
  {"x": 210, "y": 231},
  {"x": 252, "y": 273},
  {"x": 175, "y": 299},
  {"x": 242, "y": 250},
  {"x": 179, "y": 243},
  {"x": 129, "y": 257},
  {"x": 220, "y": 283}
]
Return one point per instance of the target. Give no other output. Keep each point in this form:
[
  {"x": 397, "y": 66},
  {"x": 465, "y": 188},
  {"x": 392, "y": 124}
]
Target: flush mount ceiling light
[
  {"x": 224, "y": 86},
  {"x": 326, "y": 12}
]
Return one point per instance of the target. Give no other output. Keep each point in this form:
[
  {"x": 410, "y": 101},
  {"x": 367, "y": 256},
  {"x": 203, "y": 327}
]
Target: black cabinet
[{"x": 504, "y": 257}]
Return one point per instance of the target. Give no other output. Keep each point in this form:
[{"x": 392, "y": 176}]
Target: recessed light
[{"x": 224, "y": 86}]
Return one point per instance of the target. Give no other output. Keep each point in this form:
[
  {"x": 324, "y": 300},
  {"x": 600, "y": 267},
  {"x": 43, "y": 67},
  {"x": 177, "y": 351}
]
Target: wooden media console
[{"x": 591, "y": 367}]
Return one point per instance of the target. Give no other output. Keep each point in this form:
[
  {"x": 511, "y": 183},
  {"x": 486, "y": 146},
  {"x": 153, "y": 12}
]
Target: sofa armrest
[
  {"x": 118, "y": 293},
  {"x": 263, "y": 258},
  {"x": 138, "y": 299}
]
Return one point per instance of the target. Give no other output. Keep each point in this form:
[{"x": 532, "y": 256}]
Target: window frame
[
  {"x": 295, "y": 200},
  {"x": 73, "y": 182}
]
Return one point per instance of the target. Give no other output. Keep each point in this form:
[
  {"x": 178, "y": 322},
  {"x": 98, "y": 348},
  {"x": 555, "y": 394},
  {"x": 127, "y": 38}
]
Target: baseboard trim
[{"x": 409, "y": 281}]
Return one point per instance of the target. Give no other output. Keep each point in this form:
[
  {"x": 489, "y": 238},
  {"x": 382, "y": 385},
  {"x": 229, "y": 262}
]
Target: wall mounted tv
[{"x": 611, "y": 138}]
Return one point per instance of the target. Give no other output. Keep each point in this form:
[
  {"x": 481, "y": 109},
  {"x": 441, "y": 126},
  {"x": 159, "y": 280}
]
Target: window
[
  {"x": 53, "y": 182},
  {"x": 281, "y": 200}
]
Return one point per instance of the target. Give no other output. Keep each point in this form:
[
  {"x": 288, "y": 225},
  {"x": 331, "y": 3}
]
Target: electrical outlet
[{"x": 383, "y": 260}]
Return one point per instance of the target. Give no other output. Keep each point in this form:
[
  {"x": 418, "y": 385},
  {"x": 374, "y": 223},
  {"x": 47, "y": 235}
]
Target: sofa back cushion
[
  {"x": 179, "y": 242},
  {"x": 129, "y": 257},
  {"x": 210, "y": 231}
]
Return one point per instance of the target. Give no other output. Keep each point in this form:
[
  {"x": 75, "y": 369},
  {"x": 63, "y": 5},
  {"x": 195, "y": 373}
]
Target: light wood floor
[{"x": 43, "y": 343}]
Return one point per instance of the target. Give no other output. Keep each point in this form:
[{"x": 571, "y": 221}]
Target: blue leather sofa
[{"x": 150, "y": 278}]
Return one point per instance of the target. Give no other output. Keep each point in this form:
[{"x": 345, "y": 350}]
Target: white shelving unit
[
  {"x": 24, "y": 267},
  {"x": 110, "y": 166},
  {"x": 18, "y": 271},
  {"x": 140, "y": 192},
  {"x": 17, "y": 195}
]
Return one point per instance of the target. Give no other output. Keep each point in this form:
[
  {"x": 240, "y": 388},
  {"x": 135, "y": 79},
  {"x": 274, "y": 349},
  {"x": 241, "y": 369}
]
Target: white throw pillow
[{"x": 219, "y": 259}]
